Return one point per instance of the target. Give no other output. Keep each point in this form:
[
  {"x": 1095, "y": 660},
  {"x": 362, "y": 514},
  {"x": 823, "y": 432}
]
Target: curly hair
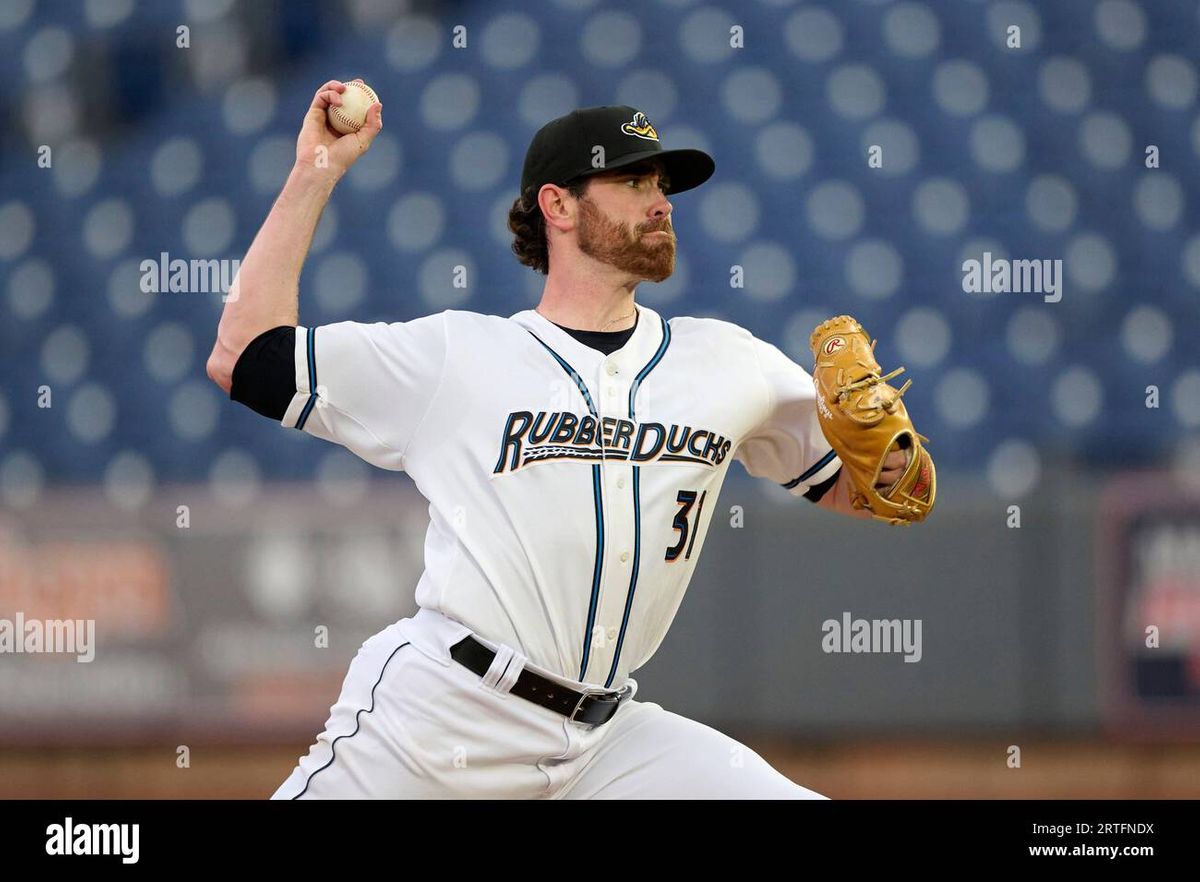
[{"x": 529, "y": 226}]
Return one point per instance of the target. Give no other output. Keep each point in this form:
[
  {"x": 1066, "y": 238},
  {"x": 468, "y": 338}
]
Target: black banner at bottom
[{"x": 111, "y": 836}]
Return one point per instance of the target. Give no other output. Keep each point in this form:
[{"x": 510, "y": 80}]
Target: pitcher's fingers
[{"x": 324, "y": 95}]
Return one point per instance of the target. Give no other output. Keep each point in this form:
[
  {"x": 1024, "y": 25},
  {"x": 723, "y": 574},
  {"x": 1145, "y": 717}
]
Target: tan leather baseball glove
[{"x": 864, "y": 419}]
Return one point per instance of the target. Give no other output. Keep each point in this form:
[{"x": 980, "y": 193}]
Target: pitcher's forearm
[
  {"x": 268, "y": 282},
  {"x": 266, "y": 292}
]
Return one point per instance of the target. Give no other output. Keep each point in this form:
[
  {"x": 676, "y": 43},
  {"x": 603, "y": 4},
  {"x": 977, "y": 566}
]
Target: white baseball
[{"x": 350, "y": 115}]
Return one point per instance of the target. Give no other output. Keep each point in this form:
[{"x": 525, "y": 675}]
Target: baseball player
[{"x": 572, "y": 455}]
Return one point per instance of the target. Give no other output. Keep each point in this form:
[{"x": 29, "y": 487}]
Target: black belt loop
[{"x": 593, "y": 706}]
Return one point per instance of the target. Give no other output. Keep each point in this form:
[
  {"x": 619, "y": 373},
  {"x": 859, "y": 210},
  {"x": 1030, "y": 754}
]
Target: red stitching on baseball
[{"x": 336, "y": 110}]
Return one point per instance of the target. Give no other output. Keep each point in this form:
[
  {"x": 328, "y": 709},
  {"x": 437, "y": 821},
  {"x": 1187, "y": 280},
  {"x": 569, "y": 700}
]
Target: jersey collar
[{"x": 638, "y": 349}]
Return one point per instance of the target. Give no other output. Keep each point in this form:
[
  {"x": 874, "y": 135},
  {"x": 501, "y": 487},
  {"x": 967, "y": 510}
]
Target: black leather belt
[{"x": 594, "y": 706}]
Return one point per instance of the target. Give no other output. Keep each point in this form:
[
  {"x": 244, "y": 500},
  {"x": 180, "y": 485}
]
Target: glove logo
[
  {"x": 640, "y": 126},
  {"x": 834, "y": 344}
]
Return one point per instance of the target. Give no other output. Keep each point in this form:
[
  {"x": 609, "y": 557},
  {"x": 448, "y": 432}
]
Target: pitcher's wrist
[{"x": 309, "y": 175}]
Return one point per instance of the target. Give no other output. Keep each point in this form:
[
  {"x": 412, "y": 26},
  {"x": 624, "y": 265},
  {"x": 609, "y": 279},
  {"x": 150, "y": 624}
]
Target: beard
[{"x": 650, "y": 258}]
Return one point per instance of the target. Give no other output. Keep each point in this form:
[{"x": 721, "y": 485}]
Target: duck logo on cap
[{"x": 641, "y": 127}]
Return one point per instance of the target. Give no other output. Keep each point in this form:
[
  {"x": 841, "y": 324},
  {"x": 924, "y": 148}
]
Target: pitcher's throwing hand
[{"x": 322, "y": 147}]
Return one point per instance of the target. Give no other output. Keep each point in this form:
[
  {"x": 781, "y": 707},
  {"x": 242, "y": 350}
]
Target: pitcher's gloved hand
[{"x": 865, "y": 421}]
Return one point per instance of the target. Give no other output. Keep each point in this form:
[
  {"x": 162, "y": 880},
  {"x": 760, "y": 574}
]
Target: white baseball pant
[{"x": 413, "y": 723}]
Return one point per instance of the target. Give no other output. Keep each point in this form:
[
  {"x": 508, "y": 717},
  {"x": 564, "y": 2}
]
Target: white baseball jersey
[{"x": 570, "y": 491}]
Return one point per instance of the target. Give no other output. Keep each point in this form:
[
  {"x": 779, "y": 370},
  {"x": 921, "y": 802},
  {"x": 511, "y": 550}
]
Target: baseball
[{"x": 349, "y": 116}]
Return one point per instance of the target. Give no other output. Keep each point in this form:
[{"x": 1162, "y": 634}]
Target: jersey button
[
  {"x": 612, "y": 634},
  {"x": 611, "y": 368},
  {"x": 621, "y": 483},
  {"x": 624, "y": 556}
]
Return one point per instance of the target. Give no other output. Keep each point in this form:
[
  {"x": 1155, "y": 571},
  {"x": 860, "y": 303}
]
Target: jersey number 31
[{"x": 686, "y": 499}]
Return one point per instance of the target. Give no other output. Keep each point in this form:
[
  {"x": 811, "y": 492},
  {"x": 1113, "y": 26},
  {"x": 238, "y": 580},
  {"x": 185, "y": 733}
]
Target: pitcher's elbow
[{"x": 220, "y": 368}]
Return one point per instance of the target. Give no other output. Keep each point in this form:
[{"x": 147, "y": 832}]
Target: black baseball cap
[{"x": 565, "y": 148}]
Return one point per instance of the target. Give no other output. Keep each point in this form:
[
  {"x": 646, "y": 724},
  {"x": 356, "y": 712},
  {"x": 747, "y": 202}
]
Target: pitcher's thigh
[
  {"x": 656, "y": 754},
  {"x": 357, "y": 756},
  {"x": 408, "y": 727}
]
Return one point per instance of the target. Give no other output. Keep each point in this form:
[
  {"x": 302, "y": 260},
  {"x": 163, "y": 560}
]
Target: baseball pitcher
[{"x": 572, "y": 455}]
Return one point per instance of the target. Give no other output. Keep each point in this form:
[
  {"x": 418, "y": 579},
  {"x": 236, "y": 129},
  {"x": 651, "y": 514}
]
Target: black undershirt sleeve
[
  {"x": 815, "y": 492},
  {"x": 264, "y": 378}
]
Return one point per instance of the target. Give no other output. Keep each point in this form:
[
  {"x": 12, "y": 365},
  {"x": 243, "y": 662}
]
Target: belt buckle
[
  {"x": 586, "y": 691},
  {"x": 620, "y": 695}
]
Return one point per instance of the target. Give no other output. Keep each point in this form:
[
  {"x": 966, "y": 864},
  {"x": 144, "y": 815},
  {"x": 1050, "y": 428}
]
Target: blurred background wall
[{"x": 1057, "y": 586}]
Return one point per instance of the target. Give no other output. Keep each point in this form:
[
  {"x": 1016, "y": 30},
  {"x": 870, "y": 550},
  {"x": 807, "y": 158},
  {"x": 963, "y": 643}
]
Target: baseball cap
[{"x": 565, "y": 148}]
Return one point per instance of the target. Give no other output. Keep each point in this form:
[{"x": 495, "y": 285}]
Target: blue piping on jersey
[
  {"x": 637, "y": 501},
  {"x": 662, "y": 348},
  {"x": 312, "y": 378},
  {"x": 574, "y": 375},
  {"x": 817, "y": 466},
  {"x": 598, "y": 502},
  {"x": 637, "y": 553},
  {"x": 597, "y": 570}
]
